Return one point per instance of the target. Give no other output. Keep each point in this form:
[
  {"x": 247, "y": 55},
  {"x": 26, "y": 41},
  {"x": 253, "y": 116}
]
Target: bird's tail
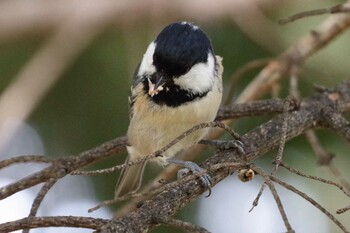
[{"x": 130, "y": 179}]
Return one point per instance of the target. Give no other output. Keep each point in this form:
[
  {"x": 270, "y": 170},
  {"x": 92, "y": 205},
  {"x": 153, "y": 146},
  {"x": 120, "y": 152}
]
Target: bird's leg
[{"x": 195, "y": 169}]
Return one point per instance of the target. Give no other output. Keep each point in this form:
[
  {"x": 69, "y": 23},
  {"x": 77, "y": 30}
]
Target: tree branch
[
  {"x": 256, "y": 143},
  {"x": 61, "y": 221},
  {"x": 65, "y": 166}
]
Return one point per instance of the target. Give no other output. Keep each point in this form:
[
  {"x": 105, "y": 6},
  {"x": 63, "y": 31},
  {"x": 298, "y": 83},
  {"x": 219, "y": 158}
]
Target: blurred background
[{"x": 65, "y": 72}]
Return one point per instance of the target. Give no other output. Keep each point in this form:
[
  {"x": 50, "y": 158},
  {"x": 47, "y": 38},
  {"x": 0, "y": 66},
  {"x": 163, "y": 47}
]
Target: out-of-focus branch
[
  {"x": 22, "y": 18},
  {"x": 325, "y": 158},
  {"x": 41, "y": 72},
  {"x": 332, "y": 10},
  {"x": 296, "y": 55}
]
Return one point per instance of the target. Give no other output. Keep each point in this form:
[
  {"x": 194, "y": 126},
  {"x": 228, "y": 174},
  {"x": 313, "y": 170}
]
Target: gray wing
[{"x": 131, "y": 101}]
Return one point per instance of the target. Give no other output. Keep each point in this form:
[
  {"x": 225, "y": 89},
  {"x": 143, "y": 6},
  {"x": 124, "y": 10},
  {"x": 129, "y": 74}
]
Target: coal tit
[{"x": 176, "y": 86}]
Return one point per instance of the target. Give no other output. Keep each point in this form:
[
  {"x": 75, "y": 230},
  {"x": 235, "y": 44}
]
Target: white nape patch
[
  {"x": 194, "y": 27},
  {"x": 146, "y": 66},
  {"x": 200, "y": 78}
]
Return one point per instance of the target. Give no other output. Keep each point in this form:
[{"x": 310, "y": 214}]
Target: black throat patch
[{"x": 173, "y": 95}]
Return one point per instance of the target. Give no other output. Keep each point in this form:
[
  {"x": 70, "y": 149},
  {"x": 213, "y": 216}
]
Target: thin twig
[
  {"x": 275, "y": 196},
  {"x": 242, "y": 71},
  {"x": 25, "y": 159},
  {"x": 281, "y": 146},
  {"x": 343, "y": 210},
  {"x": 294, "y": 87},
  {"x": 293, "y": 170},
  {"x": 284, "y": 129},
  {"x": 297, "y": 53},
  {"x": 331, "y": 10},
  {"x": 336, "y": 173},
  {"x": 324, "y": 158},
  {"x": 62, "y": 167},
  {"x": 257, "y": 198},
  {"x": 39, "y": 198},
  {"x": 309, "y": 199},
  {"x": 58, "y": 221}
]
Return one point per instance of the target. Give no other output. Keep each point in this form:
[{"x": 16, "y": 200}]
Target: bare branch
[
  {"x": 257, "y": 142},
  {"x": 25, "y": 159},
  {"x": 287, "y": 103},
  {"x": 256, "y": 108},
  {"x": 332, "y": 10},
  {"x": 61, "y": 221},
  {"x": 293, "y": 170},
  {"x": 65, "y": 166},
  {"x": 336, "y": 173},
  {"x": 240, "y": 72},
  {"x": 275, "y": 196},
  {"x": 337, "y": 122},
  {"x": 297, "y": 54},
  {"x": 323, "y": 157},
  {"x": 307, "y": 117},
  {"x": 312, "y": 201},
  {"x": 343, "y": 210},
  {"x": 39, "y": 198}
]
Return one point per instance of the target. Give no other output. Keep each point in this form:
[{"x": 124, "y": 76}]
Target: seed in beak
[{"x": 151, "y": 91}]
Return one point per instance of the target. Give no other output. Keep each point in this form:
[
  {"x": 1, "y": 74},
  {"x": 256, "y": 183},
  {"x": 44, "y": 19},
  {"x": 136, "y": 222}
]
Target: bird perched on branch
[{"x": 176, "y": 86}]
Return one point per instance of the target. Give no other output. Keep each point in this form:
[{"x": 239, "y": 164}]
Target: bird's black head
[
  {"x": 179, "y": 46},
  {"x": 178, "y": 66}
]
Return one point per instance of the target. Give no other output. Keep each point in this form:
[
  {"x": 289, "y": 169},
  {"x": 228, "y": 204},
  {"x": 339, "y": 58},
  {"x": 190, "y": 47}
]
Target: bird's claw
[
  {"x": 200, "y": 172},
  {"x": 238, "y": 145}
]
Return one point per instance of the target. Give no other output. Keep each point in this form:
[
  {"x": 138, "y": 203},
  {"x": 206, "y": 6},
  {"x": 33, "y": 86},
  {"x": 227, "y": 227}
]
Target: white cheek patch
[
  {"x": 146, "y": 66},
  {"x": 200, "y": 78}
]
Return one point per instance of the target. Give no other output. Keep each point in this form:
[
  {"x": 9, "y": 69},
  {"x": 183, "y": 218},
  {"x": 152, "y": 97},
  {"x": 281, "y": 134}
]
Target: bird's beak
[{"x": 157, "y": 86}]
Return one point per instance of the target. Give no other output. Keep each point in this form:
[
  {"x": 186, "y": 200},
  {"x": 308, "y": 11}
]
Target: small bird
[{"x": 177, "y": 85}]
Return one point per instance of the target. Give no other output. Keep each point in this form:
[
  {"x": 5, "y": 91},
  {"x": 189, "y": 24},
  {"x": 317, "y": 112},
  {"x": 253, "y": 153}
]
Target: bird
[{"x": 177, "y": 85}]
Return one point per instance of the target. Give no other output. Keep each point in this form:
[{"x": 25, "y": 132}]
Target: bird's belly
[{"x": 151, "y": 131}]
